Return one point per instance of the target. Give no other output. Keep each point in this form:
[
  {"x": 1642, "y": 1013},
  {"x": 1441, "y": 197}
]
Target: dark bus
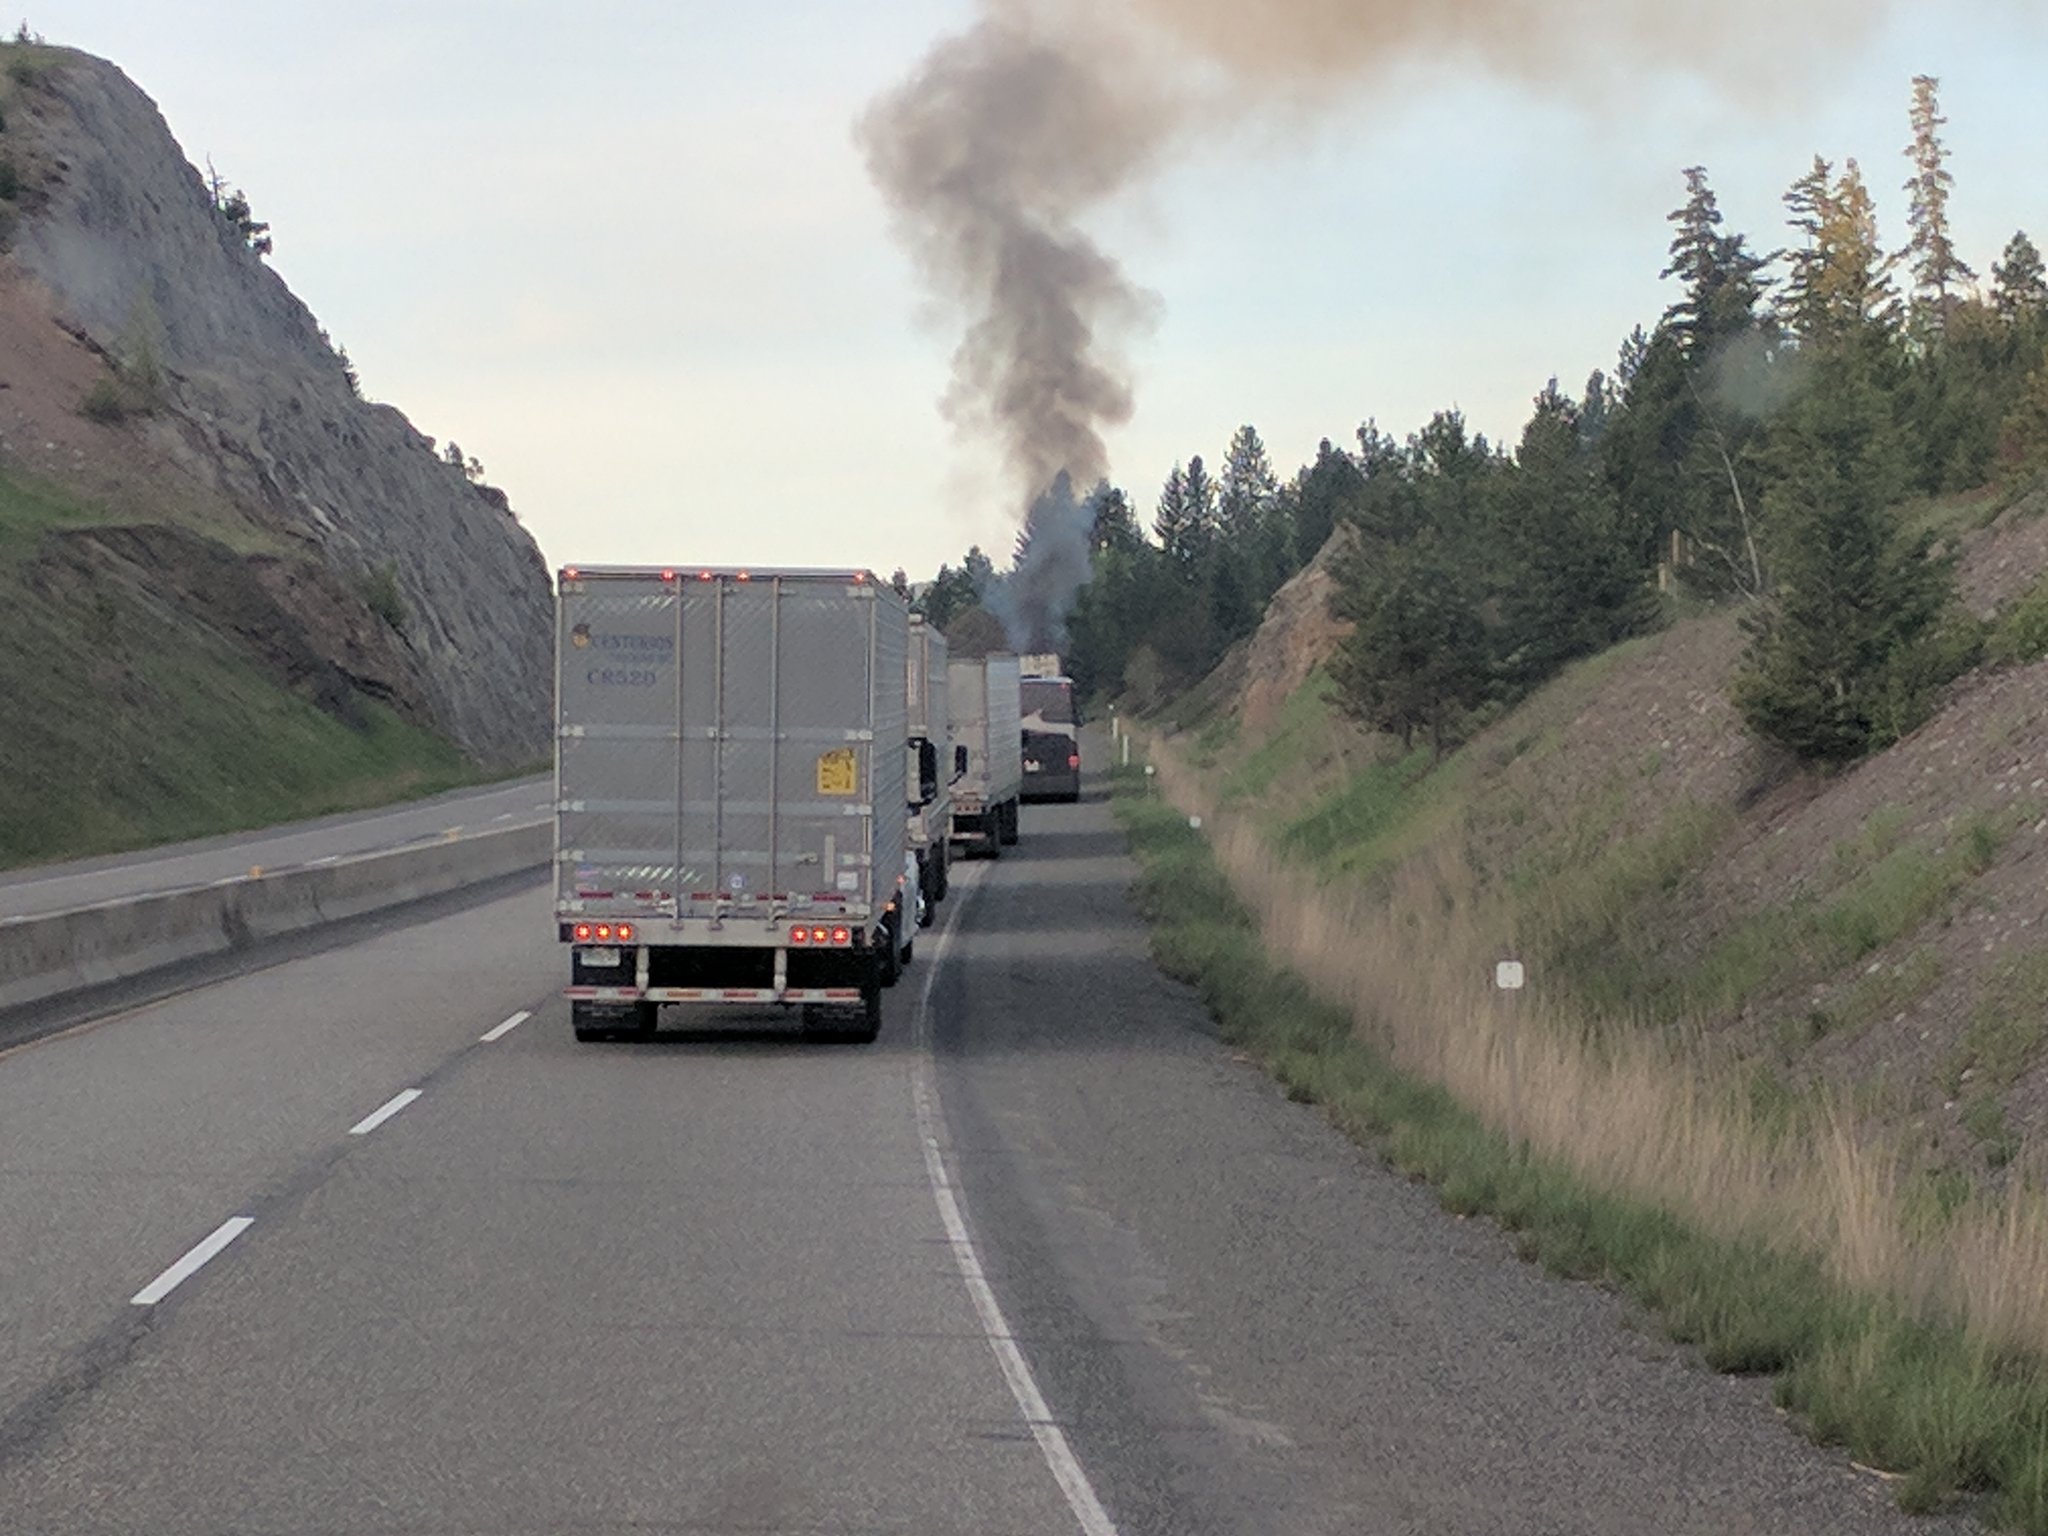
[{"x": 1052, "y": 739}]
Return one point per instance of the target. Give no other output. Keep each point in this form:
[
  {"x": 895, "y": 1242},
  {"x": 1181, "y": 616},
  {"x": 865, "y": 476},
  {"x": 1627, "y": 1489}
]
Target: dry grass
[{"x": 1634, "y": 1113}]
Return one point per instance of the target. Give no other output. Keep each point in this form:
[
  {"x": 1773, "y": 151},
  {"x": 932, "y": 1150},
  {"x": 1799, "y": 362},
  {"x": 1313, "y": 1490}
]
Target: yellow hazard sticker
[{"x": 839, "y": 772}]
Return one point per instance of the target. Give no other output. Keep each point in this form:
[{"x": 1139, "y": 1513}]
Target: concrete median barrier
[{"x": 51, "y": 955}]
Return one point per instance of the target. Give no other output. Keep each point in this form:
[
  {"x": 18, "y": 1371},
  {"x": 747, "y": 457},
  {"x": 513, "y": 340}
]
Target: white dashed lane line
[
  {"x": 383, "y": 1112},
  {"x": 500, "y": 1031},
  {"x": 193, "y": 1262},
  {"x": 214, "y": 1243}
]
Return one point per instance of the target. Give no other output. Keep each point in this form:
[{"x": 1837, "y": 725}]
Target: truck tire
[
  {"x": 945, "y": 872},
  {"x": 1008, "y": 821},
  {"x": 612, "y": 1021},
  {"x": 889, "y": 954},
  {"x": 857, "y": 1025},
  {"x": 869, "y": 1022}
]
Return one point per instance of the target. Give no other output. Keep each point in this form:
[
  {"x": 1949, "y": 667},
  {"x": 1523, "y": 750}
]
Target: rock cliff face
[{"x": 415, "y": 585}]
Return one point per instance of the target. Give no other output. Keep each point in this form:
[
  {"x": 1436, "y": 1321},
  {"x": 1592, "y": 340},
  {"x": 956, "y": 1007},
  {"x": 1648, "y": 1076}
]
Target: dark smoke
[
  {"x": 1008, "y": 134},
  {"x": 1033, "y": 600},
  {"x": 988, "y": 155}
]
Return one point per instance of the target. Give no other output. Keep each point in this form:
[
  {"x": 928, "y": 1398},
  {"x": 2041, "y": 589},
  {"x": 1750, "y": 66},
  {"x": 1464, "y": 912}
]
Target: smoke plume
[{"x": 1008, "y": 135}]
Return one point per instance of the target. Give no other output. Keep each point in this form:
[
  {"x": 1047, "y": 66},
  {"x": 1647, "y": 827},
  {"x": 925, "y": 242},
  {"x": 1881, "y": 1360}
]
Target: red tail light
[
  {"x": 1074, "y": 761},
  {"x": 625, "y": 933},
  {"x": 820, "y": 935},
  {"x": 583, "y": 933},
  {"x": 799, "y": 935},
  {"x": 604, "y": 933},
  {"x": 842, "y": 935}
]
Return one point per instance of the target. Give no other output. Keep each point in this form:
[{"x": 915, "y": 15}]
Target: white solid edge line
[
  {"x": 500, "y": 1031},
  {"x": 193, "y": 1262},
  {"x": 378, "y": 1116},
  {"x": 1059, "y": 1455}
]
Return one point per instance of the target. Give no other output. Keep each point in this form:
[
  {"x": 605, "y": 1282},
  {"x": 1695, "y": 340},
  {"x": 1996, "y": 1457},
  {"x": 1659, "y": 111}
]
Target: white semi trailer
[
  {"x": 982, "y": 700},
  {"x": 731, "y": 807},
  {"x": 930, "y": 766}
]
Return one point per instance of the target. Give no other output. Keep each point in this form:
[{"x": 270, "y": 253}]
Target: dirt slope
[{"x": 1882, "y": 929}]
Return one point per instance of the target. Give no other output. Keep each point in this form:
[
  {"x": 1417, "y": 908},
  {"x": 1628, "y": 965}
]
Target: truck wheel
[
  {"x": 857, "y": 1025},
  {"x": 1008, "y": 816},
  {"x": 888, "y": 955},
  {"x": 611, "y": 1021},
  {"x": 945, "y": 873},
  {"x": 868, "y": 1022}
]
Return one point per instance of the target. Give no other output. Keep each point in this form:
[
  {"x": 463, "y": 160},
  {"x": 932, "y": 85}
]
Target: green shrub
[
  {"x": 106, "y": 403},
  {"x": 382, "y": 596},
  {"x": 2021, "y": 632}
]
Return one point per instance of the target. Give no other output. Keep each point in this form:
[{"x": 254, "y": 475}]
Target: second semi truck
[{"x": 982, "y": 702}]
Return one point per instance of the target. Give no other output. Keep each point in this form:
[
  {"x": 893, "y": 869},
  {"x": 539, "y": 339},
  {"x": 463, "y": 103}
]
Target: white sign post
[{"x": 1508, "y": 979}]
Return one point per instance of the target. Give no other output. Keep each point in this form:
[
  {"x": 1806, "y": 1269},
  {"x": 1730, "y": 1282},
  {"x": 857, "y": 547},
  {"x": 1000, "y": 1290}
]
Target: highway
[
  {"x": 44, "y": 888},
  {"x": 363, "y": 1242}
]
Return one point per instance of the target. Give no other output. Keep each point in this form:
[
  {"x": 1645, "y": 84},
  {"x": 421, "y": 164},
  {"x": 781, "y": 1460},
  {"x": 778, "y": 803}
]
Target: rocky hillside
[{"x": 179, "y": 437}]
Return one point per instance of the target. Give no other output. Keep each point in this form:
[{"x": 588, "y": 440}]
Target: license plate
[
  {"x": 600, "y": 957},
  {"x": 1032, "y": 767}
]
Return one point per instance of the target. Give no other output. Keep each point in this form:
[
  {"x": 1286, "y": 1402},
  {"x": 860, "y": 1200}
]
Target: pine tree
[
  {"x": 1801, "y": 307},
  {"x": 1175, "y": 523},
  {"x": 1199, "y": 487},
  {"x": 1248, "y": 484},
  {"x": 2019, "y": 290},
  {"x": 1721, "y": 276},
  {"x": 1937, "y": 271},
  {"x": 1112, "y": 525},
  {"x": 1855, "y": 296},
  {"x": 981, "y": 571},
  {"x": 1327, "y": 490},
  {"x": 1416, "y": 659},
  {"x": 1576, "y": 580},
  {"x": 1838, "y": 657}
]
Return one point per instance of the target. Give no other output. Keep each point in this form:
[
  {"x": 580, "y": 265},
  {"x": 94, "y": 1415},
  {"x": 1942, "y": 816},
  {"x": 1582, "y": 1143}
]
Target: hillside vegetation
[
  {"x": 1797, "y": 1011},
  {"x": 154, "y": 691}
]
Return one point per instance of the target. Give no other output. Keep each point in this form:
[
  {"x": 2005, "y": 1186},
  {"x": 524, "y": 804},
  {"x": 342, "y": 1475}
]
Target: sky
[{"x": 626, "y": 253}]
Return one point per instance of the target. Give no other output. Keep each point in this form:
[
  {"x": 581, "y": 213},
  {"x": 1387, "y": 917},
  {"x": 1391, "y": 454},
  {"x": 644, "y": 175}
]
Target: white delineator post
[{"x": 1507, "y": 979}]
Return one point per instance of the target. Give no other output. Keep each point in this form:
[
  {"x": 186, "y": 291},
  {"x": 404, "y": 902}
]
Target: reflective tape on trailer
[{"x": 712, "y": 995}]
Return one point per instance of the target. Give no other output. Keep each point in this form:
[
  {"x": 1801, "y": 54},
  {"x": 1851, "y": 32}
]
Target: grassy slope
[
  {"x": 128, "y": 723},
  {"x": 1610, "y": 872},
  {"x": 1918, "y": 1397}
]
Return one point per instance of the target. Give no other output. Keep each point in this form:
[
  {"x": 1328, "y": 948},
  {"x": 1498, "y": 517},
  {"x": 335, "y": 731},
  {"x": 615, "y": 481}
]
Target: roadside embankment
[
  {"x": 1912, "y": 1332},
  {"x": 52, "y": 956}
]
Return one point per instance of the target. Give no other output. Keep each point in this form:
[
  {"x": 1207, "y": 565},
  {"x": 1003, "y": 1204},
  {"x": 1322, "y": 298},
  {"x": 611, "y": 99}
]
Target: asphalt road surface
[
  {"x": 58, "y": 887},
  {"x": 365, "y": 1243}
]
